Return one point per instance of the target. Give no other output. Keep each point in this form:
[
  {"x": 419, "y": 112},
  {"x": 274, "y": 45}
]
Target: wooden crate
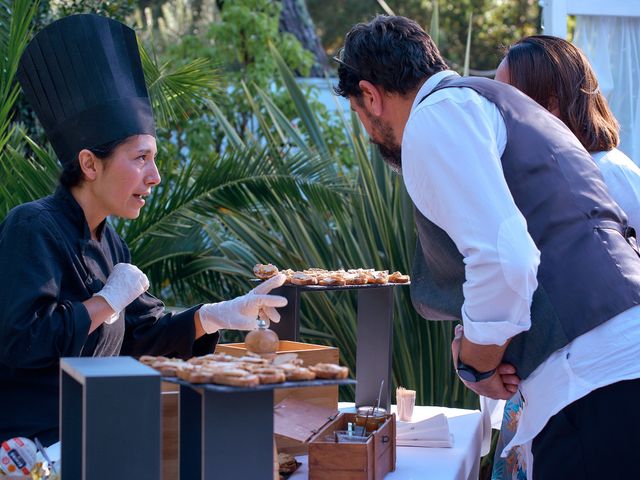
[
  {"x": 170, "y": 431},
  {"x": 308, "y": 352},
  {"x": 310, "y": 355},
  {"x": 353, "y": 461}
]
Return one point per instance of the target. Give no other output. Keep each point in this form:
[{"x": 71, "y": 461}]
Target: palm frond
[
  {"x": 15, "y": 30},
  {"x": 28, "y": 178},
  {"x": 307, "y": 116},
  {"x": 178, "y": 91}
]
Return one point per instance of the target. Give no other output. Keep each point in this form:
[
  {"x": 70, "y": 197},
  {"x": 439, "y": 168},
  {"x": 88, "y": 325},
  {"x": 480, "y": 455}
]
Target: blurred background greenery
[{"x": 255, "y": 167}]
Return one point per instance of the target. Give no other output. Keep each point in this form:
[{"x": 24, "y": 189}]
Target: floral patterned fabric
[{"x": 514, "y": 466}]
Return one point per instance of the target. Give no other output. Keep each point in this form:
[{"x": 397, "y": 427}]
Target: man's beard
[
  {"x": 392, "y": 155},
  {"x": 390, "y": 151}
]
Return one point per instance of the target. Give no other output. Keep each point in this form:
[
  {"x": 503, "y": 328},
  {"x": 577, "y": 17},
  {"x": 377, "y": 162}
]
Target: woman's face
[
  {"x": 126, "y": 177},
  {"x": 502, "y": 73}
]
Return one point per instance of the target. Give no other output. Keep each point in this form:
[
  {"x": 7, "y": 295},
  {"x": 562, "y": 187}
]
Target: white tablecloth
[{"x": 461, "y": 462}]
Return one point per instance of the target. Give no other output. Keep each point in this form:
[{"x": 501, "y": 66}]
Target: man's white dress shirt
[{"x": 451, "y": 166}]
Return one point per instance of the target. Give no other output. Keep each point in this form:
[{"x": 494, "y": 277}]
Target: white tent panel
[{"x": 608, "y": 31}]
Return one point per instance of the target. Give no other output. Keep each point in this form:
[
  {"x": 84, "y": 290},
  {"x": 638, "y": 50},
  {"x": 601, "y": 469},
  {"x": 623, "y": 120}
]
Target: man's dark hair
[
  {"x": 71, "y": 174},
  {"x": 393, "y": 52}
]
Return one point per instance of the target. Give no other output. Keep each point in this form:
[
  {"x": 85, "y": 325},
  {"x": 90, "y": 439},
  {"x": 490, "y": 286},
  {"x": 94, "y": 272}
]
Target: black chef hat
[{"x": 83, "y": 76}]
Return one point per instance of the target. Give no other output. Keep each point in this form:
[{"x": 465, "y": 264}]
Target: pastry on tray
[
  {"x": 329, "y": 371},
  {"x": 245, "y": 371},
  {"x": 301, "y": 278},
  {"x": 235, "y": 378},
  {"x": 270, "y": 375},
  {"x": 264, "y": 272},
  {"x": 397, "y": 277},
  {"x": 330, "y": 278},
  {"x": 297, "y": 374},
  {"x": 379, "y": 277}
]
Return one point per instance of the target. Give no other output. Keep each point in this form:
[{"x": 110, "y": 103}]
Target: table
[{"x": 462, "y": 462}]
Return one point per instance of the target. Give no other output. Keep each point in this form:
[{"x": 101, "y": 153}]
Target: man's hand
[{"x": 501, "y": 385}]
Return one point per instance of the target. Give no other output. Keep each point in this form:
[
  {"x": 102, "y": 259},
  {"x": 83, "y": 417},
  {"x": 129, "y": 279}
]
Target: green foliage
[
  {"x": 496, "y": 23},
  {"x": 15, "y": 21},
  {"x": 15, "y": 30},
  {"x": 179, "y": 91},
  {"x": 118, "y": 9},
  {"x": 235, "y": 38}
]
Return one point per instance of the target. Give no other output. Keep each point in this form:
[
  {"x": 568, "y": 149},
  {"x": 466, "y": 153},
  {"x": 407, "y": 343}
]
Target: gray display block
[
  {"x": 227, "y": 432},
  {"x": 109, "y": 419}
]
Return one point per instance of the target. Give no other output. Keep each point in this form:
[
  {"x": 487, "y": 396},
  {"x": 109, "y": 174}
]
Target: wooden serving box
[
  {"x": 170, "y": 430},
  {"x": 372, "y": 460},
  {"x": 324, "y": 398},
  {"x": 310, "y": 355}
]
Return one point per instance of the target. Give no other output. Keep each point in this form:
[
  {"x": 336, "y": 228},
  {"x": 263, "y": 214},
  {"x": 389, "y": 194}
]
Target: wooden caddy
[{"x": 353, "y": 461}]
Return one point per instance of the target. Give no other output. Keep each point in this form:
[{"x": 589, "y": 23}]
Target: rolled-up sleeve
[{"x": 453, "y": 173}]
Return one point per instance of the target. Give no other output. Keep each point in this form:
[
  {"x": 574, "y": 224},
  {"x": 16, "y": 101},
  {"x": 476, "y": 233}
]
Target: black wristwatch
[{"x": 470, "y": 374}]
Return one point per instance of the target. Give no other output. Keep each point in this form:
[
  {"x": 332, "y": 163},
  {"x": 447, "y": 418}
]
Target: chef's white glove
[
  {"x": 241, "y": 313},
  {"x": 126, "y": 282}
]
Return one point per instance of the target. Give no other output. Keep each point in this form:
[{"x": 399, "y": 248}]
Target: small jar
[{"x": 370, "y": 417}]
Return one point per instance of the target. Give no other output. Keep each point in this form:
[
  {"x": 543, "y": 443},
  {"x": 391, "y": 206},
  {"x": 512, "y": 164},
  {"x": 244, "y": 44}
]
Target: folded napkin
[{"x": 430, "y": 432}]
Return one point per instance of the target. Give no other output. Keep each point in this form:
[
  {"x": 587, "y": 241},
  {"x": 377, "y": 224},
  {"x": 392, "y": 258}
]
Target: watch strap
[{"x": 470, "y": 374}]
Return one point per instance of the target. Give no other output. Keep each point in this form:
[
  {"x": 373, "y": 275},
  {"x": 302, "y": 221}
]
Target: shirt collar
[
  {"x": 74, "y": 211},
  {"x": 431, "y": 83}
]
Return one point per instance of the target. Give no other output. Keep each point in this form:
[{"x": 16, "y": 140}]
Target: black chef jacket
[{"x": 49, "y": 265}]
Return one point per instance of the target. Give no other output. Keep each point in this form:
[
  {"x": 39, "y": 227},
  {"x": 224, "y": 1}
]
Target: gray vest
[{"x": 588, "y": 272}]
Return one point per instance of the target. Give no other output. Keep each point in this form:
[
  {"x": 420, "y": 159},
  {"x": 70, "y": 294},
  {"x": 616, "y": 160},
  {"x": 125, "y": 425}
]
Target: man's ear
[
  {"x": 88, "y": 164},
  {"x": 372, "y": 98}
]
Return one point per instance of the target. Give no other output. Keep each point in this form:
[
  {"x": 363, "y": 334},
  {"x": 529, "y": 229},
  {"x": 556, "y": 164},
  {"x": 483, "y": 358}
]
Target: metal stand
[
  {"x": 375, "y": 343},
  {"x": 375, "y": 335},
  {"x": 288, "y": 328},
  {"x": 109, "y": 419}
]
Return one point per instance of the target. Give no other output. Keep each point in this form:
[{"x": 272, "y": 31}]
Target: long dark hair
[
  {"x": 71, "y": 174},
  {"x": 547, "y": 68}
]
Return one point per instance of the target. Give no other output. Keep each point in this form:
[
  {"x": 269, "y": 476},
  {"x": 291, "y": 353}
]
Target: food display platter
[
  {"x": 313, "y": 288},
  {"x": 213, "y": 387}
]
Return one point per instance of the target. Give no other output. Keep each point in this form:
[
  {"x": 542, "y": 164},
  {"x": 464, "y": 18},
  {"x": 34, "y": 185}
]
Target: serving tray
[{"x": 214, "y": 387}]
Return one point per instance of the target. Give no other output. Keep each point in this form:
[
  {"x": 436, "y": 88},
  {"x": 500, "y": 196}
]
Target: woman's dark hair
[
  {"x": 550, "y": 69},
  {"x": 393, "y": 52},
  {"x": 71, "y": 174}
]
